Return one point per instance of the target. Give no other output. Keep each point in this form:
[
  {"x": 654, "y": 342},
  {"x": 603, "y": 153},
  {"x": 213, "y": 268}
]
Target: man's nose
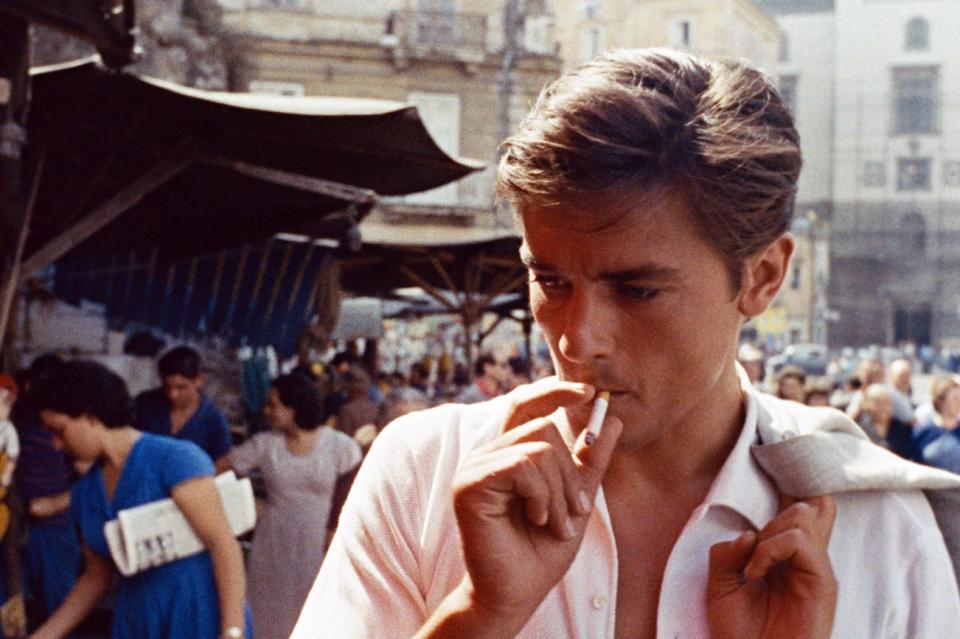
[{"x": 588, "y": 332}]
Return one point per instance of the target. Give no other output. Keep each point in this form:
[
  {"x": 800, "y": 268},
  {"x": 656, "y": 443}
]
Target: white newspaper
[{"x": 157, "y": 533}]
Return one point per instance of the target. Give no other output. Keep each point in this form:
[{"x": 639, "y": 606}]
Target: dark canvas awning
[
  {"x": 255, "y": 294},
  {"x": 108, "y": 24},
  {"x": 151, "y": 164},
  {"x": 266, "y": 292}
]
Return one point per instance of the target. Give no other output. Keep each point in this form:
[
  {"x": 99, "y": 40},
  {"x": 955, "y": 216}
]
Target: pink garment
[{"x": 396, "y": 554}]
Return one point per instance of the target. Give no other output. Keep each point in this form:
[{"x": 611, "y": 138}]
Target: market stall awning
[
  {"x": 108, "y": 24},
  {"x": 455, "y": 264},
  {"x": 256, "y": 294},
  {"x": 467, "y": 271},
  {"x": 266, "y": 292},
  {"x": 129, "y": 163}
]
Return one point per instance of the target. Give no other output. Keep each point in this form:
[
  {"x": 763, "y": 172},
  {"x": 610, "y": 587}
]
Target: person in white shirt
[
  {"x": 654, "y": 190},
  {"x": 9, "y": 441},
  {"x": 899, "y": 378}
]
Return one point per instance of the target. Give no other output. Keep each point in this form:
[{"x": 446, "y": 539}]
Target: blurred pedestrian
[
  {"x": 817, "y": 392},
  {"x": 519, "y": 373},
  {"x": 88, "y": 410},
  {"x": 751, "y": 358},
  {"x": 43, "y": 479},
  {"x": 9, "y": 442},
  {"x": 790, "y": 383},
  {"x": 868, "y": 371},
  {"x": 179, "y": 408},
  {"x": 490, "y": 373},
  {"x": 899, "y": 379},
  {"x": 307, "y": 470},
  {"x": 876, "y": 418},
  {"x": 399, "y": 402},
  {"x": 13, "y": 619},
  {"x": 938, "y": 440},
  {"x": 358, "y": 414}
]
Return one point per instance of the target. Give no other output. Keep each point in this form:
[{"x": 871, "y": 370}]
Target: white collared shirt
[{"x": 396, "y": 554}]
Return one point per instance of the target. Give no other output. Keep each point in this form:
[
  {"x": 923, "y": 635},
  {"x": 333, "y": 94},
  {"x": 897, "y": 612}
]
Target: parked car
[{"x": 812, "y": 358}]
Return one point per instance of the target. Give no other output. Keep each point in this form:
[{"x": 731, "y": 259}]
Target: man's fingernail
[
  {"x": 585, "y": 502},
  {"x": 570, "y": 529}
]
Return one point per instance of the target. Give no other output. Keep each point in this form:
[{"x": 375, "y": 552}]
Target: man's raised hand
[
  {"x": 521, "y": 503},
  {"x": 777, "y": 584}
]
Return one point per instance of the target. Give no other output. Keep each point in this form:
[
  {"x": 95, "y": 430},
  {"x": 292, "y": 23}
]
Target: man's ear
[{"x": 763, "y": 274}]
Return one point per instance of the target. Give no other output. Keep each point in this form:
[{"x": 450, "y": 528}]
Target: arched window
[
  {"x": 914, "y": 229},
  {"x": 918, "y": 35}
]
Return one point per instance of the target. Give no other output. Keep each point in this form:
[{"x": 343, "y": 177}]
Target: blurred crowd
[
  {"x": 63, "y": 423},
  {"x": 302, "y": 445},
  {"x": 875, "y": 388}
]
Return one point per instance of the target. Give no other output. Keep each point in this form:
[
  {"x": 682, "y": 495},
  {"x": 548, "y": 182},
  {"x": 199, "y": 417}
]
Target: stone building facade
[
  {"x": 877, "y": 92},
  {"x": 472, "y": 69},
  {"x": 715, "y": 28}
]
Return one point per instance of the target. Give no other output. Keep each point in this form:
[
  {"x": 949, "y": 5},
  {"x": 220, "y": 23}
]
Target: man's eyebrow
[
  {"x": 533, "y": 263},
  {"x": 641, "y": 272},
  {"x": 651, "y": 271}
]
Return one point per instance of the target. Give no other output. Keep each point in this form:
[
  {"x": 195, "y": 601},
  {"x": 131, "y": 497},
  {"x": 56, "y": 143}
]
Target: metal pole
[{"x": 14, "y": 101}]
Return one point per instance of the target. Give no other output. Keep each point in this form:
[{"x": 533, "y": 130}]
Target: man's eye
[
  {"x": 547, "y": 282},
  {"x": 638, "y": 292}
]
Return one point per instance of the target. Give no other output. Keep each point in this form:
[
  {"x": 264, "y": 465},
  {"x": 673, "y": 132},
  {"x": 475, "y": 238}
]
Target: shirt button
[{"x": 599, "y": 601}]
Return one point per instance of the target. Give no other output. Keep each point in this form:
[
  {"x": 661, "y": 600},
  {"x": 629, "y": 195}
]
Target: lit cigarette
[{"x": 596, "y": 417}]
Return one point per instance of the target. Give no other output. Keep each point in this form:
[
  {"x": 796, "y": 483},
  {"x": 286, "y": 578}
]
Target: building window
[
  {"x": 788, "y": 91},
  {"x": 437, "y": 23},
  {"x": 874, "y": 174},
  {"x": 913, "y": 174},
  {"x": 796, "y": 272},
  {"x": 951, "y": 173},
  {"x": 591, "y": 42},
  {"x": 681, "y": 34},
  {"x": 784, "y": 55},
  {"x": 917, "y": 35},
  {"x": 592, "y": 9},
  {"x": 914, "y": 229},
  {"x": 915, "y": 101}
]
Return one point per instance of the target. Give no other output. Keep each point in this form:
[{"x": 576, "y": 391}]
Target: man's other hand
[{"x": 777, "y": 584}]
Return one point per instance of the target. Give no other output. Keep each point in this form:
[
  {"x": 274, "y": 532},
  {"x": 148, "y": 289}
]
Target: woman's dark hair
[
  {"x": 298, "y": 392},
  {"x": 84, "y": 388}
]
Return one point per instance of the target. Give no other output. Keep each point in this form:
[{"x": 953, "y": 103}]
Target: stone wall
[{"x": 176, "y": 46}]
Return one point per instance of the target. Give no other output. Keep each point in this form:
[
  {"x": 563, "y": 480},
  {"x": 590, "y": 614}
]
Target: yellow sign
[{"x": 773, "y": 321}]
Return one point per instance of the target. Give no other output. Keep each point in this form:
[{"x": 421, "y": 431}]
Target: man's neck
[
  {"x": 187, "y": 407},
  {"x": 698, "y": 444}
]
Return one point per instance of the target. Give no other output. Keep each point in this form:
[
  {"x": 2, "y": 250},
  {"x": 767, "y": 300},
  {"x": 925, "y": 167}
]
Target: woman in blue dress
[{"x": 88, "y": 410}]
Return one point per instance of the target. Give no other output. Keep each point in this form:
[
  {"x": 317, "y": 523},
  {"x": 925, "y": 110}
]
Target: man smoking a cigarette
[{"x": 654, "y": 190}]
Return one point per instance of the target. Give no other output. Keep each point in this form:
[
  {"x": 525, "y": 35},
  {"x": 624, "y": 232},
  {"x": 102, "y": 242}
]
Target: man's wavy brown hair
[{"x": 640, "y": 121}]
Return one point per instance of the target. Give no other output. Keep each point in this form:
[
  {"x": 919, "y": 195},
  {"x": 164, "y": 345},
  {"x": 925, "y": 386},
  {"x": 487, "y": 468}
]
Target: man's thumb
[
  {"x": 727, "y": 561},
  {"x": 595, "y": 458}
]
